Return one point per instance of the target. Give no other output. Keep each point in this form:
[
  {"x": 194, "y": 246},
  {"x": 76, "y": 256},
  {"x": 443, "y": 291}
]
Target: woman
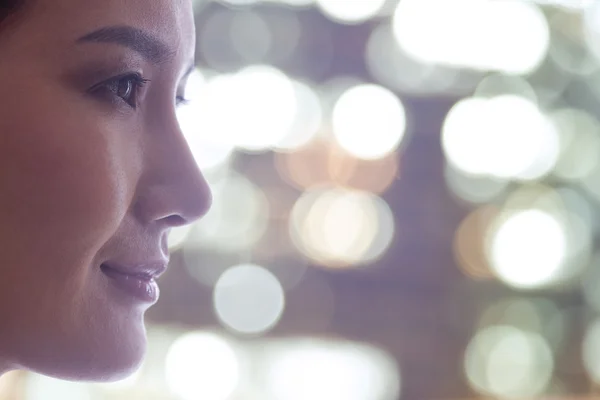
[{"x": 94, "y": 171}]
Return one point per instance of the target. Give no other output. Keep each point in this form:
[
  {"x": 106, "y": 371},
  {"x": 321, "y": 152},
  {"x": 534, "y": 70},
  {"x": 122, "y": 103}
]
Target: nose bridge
[{"x": 172, "y": 189}]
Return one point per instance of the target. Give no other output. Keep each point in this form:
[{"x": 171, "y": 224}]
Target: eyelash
[{"x": 135, "y": 82}]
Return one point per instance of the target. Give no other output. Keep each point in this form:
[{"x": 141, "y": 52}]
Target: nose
[{"x": 172, "y": 190}]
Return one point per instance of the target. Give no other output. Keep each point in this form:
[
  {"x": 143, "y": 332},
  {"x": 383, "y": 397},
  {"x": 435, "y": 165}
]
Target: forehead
[{"x": 63, "y": 21}]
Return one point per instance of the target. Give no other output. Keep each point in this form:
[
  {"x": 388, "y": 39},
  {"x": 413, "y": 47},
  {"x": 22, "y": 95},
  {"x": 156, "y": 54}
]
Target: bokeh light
[
  {"x": 527, "y": 248},
  {"x": 505, "y": 137},
  {"x": 340, "y": 227},
  {"x": 202, "y": 365},
  {"x": 248, "y": 299},
  {"x": 507, "y": 362},
  {"x": 469, "y": 243},
  {"x": 331, "y": 371},
  {"x": 473, "y": 34},
  {"x": 590, "y": 350},
  {"x": 40, "y": 387},
  {"x": 237, "y": 219},
  {"x": 369, "y": 121},
  {"x": 579, "y": 143},
  {"x": 351, "y": 12}
]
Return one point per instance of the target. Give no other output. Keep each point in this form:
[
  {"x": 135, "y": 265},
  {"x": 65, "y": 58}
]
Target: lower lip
[{"x": 143, "y": 289}]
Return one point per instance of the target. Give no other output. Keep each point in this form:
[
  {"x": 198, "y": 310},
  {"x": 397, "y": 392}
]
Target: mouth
[{"x": 139, "y": 284}]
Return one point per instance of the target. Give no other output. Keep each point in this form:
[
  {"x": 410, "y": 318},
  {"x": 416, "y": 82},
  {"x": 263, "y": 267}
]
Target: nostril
[{"x": 176, "y": 220}]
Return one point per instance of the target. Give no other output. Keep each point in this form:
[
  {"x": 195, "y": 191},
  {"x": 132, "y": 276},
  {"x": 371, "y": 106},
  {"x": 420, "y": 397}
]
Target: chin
[{"x": 95, "y": 363}]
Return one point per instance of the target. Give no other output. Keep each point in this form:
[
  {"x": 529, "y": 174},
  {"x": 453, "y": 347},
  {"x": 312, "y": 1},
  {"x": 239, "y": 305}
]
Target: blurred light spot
[
  {"x": 249, "y": 299},
  {"x": 322, "y": 162},
  {"x": 505, "y": 137},
  {"x": 579, "y": 134},
  {"x": 252, "y": 109},
  {"x": 350, "y": 11},
  {"x": 250, "y": 35},
  {"x": 306, "y": 167},
  {"x": 369, "y": 121},
  {"x": 373, "y": 176},
  {"x": 527, "y": 249},
  {"x": 568, "y": 49},
  {"x": 505, "y": 361},
  {"x": 209, "y": 151},
  {"x": 591, "y": 28},
  {"x": 202, "y": 366},
  {"x": 178, "y": 235},
  {"x": 298, "y": 3},
  {"x": 10, "y": 383},
  {"x": 340, "y": 227},
  {"x": 237, "y": 219},
  {"x": 469, "y": 244},
  {"x": 498, "y": 84},
  {"x": 240, "y": 2},
  {"x": 474, "y": 188},
  {"x": 566, "y": 208},
  {"x": 393, "y": 67},
  {"x": 567, "y": 5},
  {"x": 331, "y": 371},
  {"x": 590, "y": 283},
  {"x": 41, "y": 387},
  {"x": 307, "y": 121},
  {"x": 510, "y": 36},
  {"x": 591, "y": 351},
  {"x": 520, "y": 313}
]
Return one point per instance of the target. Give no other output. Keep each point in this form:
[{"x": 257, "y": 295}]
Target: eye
[{"x": 126, "y": 88}]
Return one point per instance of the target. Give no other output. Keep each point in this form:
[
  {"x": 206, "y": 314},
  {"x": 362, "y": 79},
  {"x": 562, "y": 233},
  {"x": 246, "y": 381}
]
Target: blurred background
[{"x": 406, "y": 206}]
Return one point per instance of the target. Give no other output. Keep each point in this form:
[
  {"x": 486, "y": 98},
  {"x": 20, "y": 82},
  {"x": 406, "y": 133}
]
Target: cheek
[{"x": 66, "y": 180}]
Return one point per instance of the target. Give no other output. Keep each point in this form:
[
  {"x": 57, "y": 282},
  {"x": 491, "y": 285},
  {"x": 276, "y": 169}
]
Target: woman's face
[{"x": 93, "y": 170}]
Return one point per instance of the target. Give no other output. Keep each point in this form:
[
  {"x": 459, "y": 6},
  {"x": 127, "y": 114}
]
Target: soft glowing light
[
  {"x": 252, "y": 109},
  {"x": 498, "y": 84},
  {"x": 208, "y": 150},
  {"x": 237, "y": 218},
  {"x": 509, "y": 35},
  {"x": 505, "y": 361},
  {"x": 249, "y": 299},
  {"x": 528, "y": 249},
  {"x": 580, "y": 143},
  {"x": 9, "y": 382},
  {"x": 520, "y": 313},
  {"x": 591, "y": 350},
  {"x": 177, "y": 236},
  {"x": 393, "y": 67},
  {"x": 307, "y": 121},
  {"x": 264, "y": 103},
  {"x": 40, "y": 387},
  {"x": 469, "y": 247},
  {"x": 369, "y": 121},
  {"x": 202, "y": 366},
  {"x": 341, "y": 227},
  {"x": 250, "y": 35},
  {"x": 504, "y": 137},
  {"x": 331, "y": 371},
  {"x": 474, "y": 188},
  {"x": 351, "y": 11},
  {"x": 591, "y": 19}
]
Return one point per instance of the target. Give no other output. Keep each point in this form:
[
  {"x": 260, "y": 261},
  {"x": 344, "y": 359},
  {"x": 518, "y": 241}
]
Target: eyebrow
[{"x": 150, "y": 47}]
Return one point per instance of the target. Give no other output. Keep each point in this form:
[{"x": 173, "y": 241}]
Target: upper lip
[{"x": 146, "y": 269}]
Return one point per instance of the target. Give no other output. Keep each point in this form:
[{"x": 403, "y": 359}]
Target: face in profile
[{"x": 94, "y": 171}]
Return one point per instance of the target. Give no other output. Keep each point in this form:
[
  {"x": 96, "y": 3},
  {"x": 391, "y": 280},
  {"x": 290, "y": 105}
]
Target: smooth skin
[{"x": 93, "y": 168}]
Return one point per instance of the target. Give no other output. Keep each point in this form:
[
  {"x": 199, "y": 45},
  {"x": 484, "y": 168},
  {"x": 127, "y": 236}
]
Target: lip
[{"x": 138, "y": 281}]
